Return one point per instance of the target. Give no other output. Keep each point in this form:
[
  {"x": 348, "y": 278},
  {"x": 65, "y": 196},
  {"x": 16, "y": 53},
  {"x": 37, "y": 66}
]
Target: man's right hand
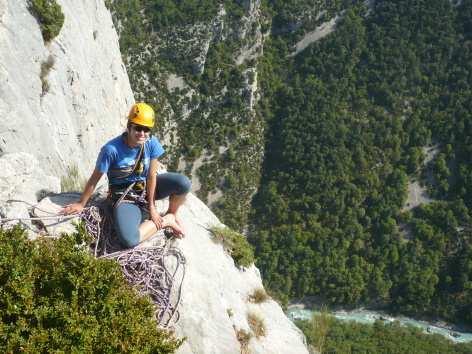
[
  {"x": 156, "y": 218},
  {"x": 74, "y": 208}
]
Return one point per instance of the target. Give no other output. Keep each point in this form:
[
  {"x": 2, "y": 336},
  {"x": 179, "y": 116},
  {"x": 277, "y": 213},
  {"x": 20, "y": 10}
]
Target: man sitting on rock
[{"x": 130, "y": 162}]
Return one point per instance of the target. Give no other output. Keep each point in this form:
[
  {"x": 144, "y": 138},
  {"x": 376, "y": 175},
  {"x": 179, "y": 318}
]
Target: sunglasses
[{"x": 140, "y": 128}]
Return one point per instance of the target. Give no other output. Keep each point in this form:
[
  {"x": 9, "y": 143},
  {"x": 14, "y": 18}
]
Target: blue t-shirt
[{"x": 118, "y": 159}]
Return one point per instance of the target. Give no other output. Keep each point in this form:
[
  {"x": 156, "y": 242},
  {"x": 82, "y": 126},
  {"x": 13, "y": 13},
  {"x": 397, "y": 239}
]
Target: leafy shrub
[
  {"x": 257, "y": 325},
  {"x": 258, "y": 296},
  {"x": 49, "y": 15},
  {"x": 235, "y": 244},
  {"x": 56, "y": 297}
]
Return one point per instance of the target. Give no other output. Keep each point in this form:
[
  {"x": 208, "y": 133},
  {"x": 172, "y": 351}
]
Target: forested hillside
[
  {"x": 359, "y": 146},
  {"x": 349, "y": 120}
]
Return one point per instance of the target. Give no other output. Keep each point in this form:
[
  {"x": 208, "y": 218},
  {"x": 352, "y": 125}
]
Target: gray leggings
[{"x": 128, "y": 216}]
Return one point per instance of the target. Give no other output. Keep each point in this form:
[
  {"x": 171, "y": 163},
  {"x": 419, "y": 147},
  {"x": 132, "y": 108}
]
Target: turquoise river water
[{"x": 296, "y": 312}]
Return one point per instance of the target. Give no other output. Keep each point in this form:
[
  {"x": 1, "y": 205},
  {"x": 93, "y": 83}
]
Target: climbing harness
[{"x": 135, "y": 192}]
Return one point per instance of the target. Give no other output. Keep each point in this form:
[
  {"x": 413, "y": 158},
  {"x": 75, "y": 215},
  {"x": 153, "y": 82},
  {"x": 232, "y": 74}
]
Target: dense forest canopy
[{"x": 349, "y": 121}]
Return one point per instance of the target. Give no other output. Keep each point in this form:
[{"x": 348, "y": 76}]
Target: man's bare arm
[{"x": 77, "y": 207}]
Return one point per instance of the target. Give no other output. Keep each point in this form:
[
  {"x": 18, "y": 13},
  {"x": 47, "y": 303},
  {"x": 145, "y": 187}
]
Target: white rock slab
[
  {"x": 22, "y": 180},
  {"x": 89, "y": 93},
  {"x": 53, "y": 205}
]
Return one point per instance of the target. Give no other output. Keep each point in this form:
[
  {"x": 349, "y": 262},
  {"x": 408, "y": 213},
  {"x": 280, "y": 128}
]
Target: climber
[{"x": 130, "y": 162}]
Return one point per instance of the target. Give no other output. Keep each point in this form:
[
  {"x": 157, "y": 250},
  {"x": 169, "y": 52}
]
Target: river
[{"x": 296, "y": 312}]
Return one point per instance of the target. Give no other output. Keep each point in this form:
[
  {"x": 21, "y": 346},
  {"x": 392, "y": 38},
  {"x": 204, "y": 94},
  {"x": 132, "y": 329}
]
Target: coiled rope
[{"x": 146, "y": 268}]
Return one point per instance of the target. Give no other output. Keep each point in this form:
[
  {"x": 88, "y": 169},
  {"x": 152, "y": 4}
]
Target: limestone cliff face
[
  {"x": 62, "y": 100},
  {"x": 57, "y": 118}
]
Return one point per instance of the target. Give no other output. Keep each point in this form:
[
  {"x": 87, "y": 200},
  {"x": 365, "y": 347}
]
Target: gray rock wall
[{"x": 81, "y": 101}]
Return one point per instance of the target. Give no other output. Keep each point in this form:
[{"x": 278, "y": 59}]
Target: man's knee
[
  {"x": 172, "y": 183},
  {"x": 184, "y": 184},
  {"x": 128, "y": 233}
]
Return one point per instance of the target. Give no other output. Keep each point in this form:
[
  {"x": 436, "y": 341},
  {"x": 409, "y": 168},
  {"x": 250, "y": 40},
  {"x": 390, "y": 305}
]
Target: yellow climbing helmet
[{"x": 141, "y": 114}]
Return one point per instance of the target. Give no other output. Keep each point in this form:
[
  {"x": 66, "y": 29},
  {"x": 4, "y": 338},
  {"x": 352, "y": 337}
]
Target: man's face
[{"x": 138, "y": 134}]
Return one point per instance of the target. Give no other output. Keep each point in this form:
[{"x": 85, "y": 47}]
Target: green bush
[
  {"x": 56, "y": 297},
  {"x": 49, "y": 15},
  {"x": 316, "y": 330},
  {"x": 235, "y": 244}
]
